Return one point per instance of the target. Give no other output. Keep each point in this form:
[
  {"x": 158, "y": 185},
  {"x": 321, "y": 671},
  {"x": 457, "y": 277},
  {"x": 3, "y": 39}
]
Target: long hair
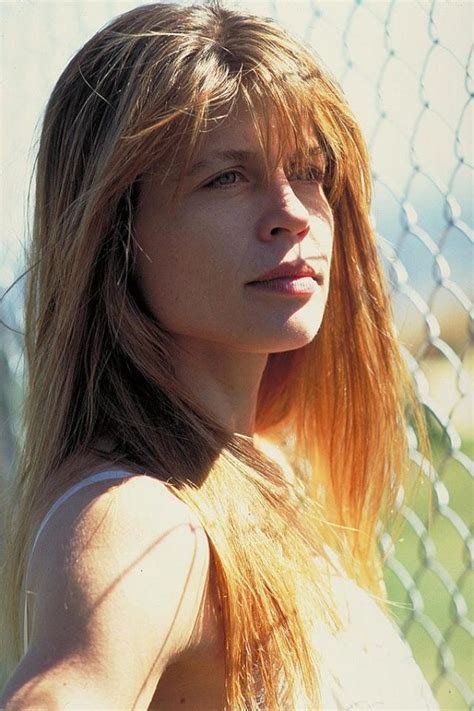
[{"x": 136, "y": 98}]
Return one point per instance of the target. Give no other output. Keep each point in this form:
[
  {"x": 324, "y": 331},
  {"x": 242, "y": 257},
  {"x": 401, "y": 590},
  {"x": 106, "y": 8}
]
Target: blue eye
[
  {"x": 231, "y": 177},
  {"x": 312, "y": 174}
]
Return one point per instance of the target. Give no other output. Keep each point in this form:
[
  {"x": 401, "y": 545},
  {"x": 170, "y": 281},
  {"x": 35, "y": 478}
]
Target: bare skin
[
  {"x": 91, "y": 648},
  {"x": 197, "y": 257},
  {"x": 125, "y": 608}
]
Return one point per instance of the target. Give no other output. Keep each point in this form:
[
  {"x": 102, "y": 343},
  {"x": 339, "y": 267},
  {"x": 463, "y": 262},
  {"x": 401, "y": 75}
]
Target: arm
[{"x": 118, "y": 577}]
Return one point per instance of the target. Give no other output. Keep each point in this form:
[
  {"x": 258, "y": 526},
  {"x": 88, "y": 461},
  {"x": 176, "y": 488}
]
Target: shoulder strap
[{"x": 92, "y": 479}]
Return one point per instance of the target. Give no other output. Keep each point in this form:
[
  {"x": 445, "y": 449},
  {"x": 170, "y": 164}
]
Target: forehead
[
  {"x": 259, "y": 133},
  {"x": 240, "y": 133}
]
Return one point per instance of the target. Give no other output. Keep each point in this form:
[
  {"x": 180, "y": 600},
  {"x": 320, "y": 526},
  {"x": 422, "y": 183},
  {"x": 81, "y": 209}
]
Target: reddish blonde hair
[{"x": 137, "y": 97}]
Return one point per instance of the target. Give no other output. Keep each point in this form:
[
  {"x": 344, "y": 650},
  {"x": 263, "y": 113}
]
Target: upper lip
[{"x": 296, "y": 269}]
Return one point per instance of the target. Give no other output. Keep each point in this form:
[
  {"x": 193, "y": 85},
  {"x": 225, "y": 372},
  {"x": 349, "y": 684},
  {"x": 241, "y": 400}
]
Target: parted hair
[{"x": 136, "y": 99}]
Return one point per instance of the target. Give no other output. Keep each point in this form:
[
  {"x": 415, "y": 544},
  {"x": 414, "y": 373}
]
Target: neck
[{"x": 224, "y": 381}]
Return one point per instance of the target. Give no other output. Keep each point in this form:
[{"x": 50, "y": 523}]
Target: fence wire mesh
[{"x": 405, "y": 67}]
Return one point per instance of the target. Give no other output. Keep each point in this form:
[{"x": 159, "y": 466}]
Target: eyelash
[
  {"x": 317, "y": 176},
  {"x": 214, "y": 184}
]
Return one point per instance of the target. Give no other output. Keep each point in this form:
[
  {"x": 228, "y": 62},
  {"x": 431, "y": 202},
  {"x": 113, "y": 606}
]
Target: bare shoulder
[
  {"x": 118, "y": 519},
  {"x": 123, "y": 567}
]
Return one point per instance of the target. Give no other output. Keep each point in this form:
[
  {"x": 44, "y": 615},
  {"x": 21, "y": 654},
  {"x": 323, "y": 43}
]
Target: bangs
[
  {"x": 290, "y": 132},
  {"x": 296, "y": 117}
]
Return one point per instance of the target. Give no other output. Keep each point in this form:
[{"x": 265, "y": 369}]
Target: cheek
[
  {"x": 183, "y": 270},
  {"x": 323, "y": 236}
]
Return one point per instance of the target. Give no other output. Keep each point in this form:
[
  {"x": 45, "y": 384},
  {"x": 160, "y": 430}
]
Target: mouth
[
  {"x": 301, "y": 285},
  {"x": 300, "y": 272}
]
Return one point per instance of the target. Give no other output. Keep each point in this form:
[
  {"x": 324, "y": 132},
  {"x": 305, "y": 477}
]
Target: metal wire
[
  {"x": 433, "y": 578},
  {"x": 406, "y": 72}
]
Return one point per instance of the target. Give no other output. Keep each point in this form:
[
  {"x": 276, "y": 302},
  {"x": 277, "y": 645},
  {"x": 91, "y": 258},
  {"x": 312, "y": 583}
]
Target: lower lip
[{"x": 293, "y": 286}]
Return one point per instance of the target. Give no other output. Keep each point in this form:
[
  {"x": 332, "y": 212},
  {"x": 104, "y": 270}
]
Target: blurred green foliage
[{"x": 454, "y": 654}]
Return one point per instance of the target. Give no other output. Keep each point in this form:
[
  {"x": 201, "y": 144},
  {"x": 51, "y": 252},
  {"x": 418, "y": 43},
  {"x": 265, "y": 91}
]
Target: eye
[
  {"x": 229, "y": 178},
  {"x": 311, "y": 174}
]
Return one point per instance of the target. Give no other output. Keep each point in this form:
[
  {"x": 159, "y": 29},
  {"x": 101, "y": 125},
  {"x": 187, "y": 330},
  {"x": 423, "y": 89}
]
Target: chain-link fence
[{"x": 405, "y": 67}]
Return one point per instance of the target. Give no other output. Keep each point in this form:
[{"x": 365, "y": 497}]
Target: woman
[{"x": 200, "y": 183}]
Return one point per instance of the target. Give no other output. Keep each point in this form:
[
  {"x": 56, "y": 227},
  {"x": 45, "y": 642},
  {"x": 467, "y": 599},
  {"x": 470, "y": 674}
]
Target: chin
[
  {"x": 297, "y": 340},
  {"x": 296, "y": 333}
]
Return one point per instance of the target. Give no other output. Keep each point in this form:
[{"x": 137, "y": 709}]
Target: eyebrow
[{"x": 238, "y": 156}]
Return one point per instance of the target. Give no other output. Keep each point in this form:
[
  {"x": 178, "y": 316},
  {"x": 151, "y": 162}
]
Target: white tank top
[
  {"x": 92, "y": 479},
  {"x": 365, "y": 666}
]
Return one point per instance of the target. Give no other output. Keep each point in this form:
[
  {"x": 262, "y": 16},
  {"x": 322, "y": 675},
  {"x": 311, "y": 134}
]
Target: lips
[{"x": 291, "y": 270}]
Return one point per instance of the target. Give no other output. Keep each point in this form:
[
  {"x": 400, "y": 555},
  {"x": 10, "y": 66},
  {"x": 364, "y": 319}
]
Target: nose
[{"x": 285, "y": 215}]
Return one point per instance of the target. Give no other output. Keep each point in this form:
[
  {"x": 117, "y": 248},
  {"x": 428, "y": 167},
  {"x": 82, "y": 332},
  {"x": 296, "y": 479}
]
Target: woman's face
[{"x": 203, "y": 259}]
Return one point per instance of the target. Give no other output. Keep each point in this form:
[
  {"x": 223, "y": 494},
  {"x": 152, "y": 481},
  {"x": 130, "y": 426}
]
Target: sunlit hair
[{"x": 136, "y": 99}]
